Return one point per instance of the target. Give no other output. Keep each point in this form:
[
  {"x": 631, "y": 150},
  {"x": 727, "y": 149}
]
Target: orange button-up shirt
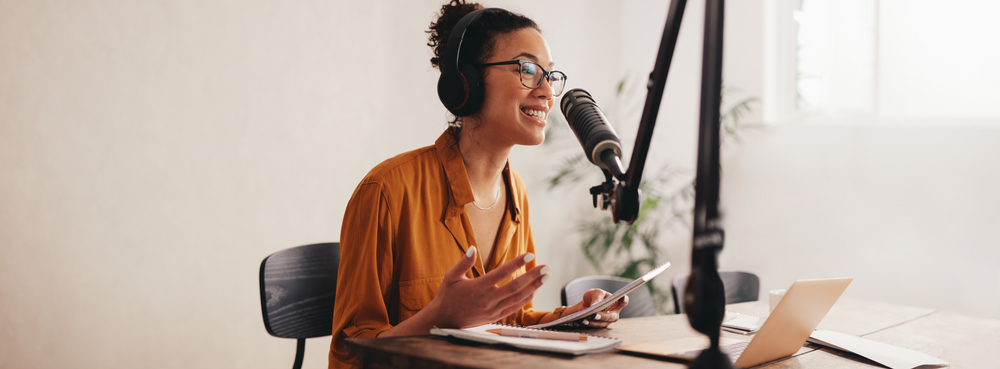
[{"x": 404, "y": 228}]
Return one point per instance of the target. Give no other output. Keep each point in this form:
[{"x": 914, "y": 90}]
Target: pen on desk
[{"x": 548, "y": 335}]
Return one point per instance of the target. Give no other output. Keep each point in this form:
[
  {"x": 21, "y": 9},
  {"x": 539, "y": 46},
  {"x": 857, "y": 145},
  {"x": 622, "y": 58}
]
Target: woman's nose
[{"x": 545, "y": 89}]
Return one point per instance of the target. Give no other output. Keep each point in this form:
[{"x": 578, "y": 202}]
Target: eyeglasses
[{"x": 532, "y": 75}]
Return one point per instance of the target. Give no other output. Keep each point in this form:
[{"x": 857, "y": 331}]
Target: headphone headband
[
  {"x": 460, "y": 88},
  {"x": 453, "y": 50}
]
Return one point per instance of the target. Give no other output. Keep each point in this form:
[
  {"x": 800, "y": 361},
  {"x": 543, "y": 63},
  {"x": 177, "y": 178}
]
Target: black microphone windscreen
[{"x": 590, "y": 125}]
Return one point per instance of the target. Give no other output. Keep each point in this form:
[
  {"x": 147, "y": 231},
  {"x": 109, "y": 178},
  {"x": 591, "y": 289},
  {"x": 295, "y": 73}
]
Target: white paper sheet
[
  {"x": 593, "y": 344},
  {"x": 882, "y": 353}
]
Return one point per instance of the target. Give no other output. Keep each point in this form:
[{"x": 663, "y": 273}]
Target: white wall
[
  {"x": 153, "y": 153},
  {"x": 909, "y": 212}
]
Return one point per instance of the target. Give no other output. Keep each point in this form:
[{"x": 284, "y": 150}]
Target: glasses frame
[{"x": 546, "y": 75}]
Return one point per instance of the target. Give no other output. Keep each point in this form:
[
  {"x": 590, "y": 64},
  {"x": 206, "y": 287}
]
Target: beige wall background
[{"x": 152, "y": 153}]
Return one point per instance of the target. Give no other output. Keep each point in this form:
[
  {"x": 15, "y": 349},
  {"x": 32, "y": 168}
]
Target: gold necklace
[{"x": 497, "y": 198}]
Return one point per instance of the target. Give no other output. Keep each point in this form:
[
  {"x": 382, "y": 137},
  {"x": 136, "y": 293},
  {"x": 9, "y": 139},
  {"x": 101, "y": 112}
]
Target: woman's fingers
[
  {"x": 498, "y": 302},
  {"x": 607, "y": 317},
  {"x": 523, "y": 287},
  {"x": 604, "y": 318},
  {"x": 505, "y": 270},
  {"x": 539, "y": 274},
  {"x": 593, "y": 296},
  {"x": 598, "y": 324},
  {"x": 619, "y": 305},
  {"x": 458, "y": 271},
  {"x": 516, "y": 306}
]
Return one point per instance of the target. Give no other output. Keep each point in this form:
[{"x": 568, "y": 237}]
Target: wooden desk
[{"x": 965, "y": 342}]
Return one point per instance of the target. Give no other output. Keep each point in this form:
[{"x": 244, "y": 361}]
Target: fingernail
[
  {"x": 529, "y": 257},
  {"x": 597, "y": 316},
  {"x": 546, "y": 269},
  {"x": 546, "y": 278},
  {"x": 585, "y": 322},
  {"x": 626, "y": 299},
  {"x": 472, "y": 250}
]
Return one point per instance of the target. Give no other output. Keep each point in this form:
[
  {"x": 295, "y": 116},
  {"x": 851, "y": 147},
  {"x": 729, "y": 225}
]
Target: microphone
[{"x": 600, "y": 142}]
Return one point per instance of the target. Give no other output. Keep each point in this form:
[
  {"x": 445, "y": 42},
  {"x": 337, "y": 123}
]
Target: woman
[{"x": 439, "y": 236}]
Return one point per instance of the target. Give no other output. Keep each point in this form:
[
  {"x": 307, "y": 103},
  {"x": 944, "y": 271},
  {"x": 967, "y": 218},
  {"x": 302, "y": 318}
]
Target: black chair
[
  {"x": 740, "y": 287},
  {"x": 640, "y": 301},
  {"x": 297, "y": 290}
]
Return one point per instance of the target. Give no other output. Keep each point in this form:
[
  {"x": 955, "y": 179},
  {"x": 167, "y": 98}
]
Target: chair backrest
[
  {"x": 297, "y": 290},
  {"x": 640, "y": 301},
  {"x": 740, "y": 287}
]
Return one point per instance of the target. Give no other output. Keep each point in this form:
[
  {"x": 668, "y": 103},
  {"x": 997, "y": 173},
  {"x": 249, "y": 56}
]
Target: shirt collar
[
  {"x": 515, "y": 195},
  {"x": 454, "y": 169}
]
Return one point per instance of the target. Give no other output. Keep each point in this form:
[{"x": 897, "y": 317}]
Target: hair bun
[{"x": 440, "y": 30}]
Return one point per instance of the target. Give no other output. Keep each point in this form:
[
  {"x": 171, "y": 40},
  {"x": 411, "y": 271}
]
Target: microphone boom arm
[
  {"x": 657, "y": 81},
  {"x": 623, "y": 188},
  {"x": 704, "y": 297}
]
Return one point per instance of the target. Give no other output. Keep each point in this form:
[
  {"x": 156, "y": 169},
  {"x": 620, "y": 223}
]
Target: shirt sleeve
[{"x": 365, "y": 275}]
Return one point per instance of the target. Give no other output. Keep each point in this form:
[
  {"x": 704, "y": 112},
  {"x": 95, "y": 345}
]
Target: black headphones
[{"x": 460, "y": 87}]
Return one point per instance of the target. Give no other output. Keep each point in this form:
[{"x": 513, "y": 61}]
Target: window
[{"x": 884, "y": 61}]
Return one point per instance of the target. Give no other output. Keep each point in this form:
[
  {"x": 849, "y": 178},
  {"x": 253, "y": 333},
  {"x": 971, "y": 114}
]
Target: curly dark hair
[{"x": 480, "y": 35}]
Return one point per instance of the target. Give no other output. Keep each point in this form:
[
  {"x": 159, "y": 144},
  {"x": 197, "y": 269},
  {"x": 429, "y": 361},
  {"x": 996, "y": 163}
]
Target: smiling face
[{"x": 512, "y": 114}]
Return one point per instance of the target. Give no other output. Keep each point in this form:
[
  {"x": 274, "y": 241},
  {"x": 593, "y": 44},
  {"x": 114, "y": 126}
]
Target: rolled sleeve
[{"x": 366, "y": 240}]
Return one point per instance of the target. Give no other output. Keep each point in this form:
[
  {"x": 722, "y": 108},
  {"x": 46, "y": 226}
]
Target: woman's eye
[{"x": 528, "y": 68}]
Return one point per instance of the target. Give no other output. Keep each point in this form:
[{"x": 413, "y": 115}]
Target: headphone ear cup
[
  {"x": 473, "y": 83},
  {"x": 451, "y": 90}
]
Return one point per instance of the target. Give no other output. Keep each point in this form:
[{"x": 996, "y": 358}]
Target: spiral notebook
[
  {"x": 593, "y": 344},
  {"x": 742, "y": 323}
]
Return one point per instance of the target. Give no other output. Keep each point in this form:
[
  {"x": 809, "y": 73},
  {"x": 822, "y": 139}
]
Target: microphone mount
[
  {"x": 704, "y": 298},
  {"x": 615, "y": 193}
]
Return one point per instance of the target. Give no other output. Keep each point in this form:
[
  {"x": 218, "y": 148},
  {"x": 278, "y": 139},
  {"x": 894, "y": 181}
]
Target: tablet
[{"x": 606, "y": 303}]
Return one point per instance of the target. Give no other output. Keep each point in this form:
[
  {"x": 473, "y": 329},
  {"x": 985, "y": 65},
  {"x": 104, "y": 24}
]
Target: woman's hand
[
  {"x": 462, "y": 302},
  {"x": 603, "y": 318}
]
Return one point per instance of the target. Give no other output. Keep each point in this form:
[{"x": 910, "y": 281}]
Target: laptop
[{"x": 782, "y": 334}]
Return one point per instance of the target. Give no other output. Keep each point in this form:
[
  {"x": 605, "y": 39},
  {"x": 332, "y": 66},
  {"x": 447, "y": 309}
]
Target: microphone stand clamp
[
  {"x": 604, "y": 190},
  {"x": 623, "y": 200}
]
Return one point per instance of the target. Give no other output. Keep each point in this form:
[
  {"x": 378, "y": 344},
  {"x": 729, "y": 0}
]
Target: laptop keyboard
[{"x": 733, "y": 350}]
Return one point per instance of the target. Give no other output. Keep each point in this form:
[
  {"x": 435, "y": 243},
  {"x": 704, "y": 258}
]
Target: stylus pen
[{"x": 531, "y": 333}]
